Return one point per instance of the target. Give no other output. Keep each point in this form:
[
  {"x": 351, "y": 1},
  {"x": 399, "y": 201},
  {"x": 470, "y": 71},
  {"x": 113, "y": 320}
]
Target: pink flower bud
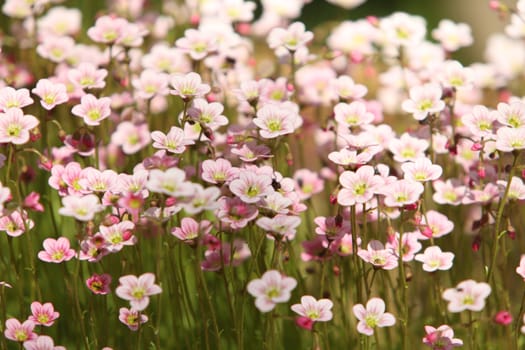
[
  {"x": 503, "y": 318},
  {"x": 476, "y": 147},
  {"x": 304, "y": 322},
  {"x": 427, "y": 232}
]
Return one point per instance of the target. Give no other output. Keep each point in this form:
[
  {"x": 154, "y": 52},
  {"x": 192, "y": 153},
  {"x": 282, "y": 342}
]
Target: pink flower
[
  {"x": 359, "y": 186},
  {"x": 132, "y": 318},
  {"x": 50, "y": 93},
  {"x": 56, "y": 48},
  {"x": 251, "y": 187},
  {"x": 16, "y": 331},
  {"x": 42, "y": 342},
  {"x": 315, "y": 310},
  {"x": 270, "y": 289},
  {"x": 468, "y": 295},
  {"x": 137, "y": 290},
  {"x": 87, "y": 76},
  {"x": 379, "y": 256},
  {"x": 509, "y": 139},
  {"x": 99, "y": 284},
  {"x": 452, "y": 36},
  {"x": 275, "y": 120},
  {"x": 175, "y": 141},
  {"x": 434, "y": 259},
  {"x": 170, "y": 182},
  {"x": 235, "y": 212},
  {"x": 131, "y": 137},
  {"x": 373, "y": 316},
  {"x": 118, "y": 235},
  {"x": 345, "y": 87},
  {"x": 56, "y": 250},
  {"x": 401, "y": 193},
  {"x": 410, "y": 245},
  {"x": 107, "y": 29},
  {"x": 447, "y": 192},
  {"x": 292, "y": 38},
  {"x": 407, "y": 148},
  {"x": 15, "y": 126},
  {"x": 81, "y": 208},
  {"x": 218, "y": 171},
  {"x": 198, "y": 44},
  {"x": 307, "y": 183},
  {"x": 480, "y": 122},
  {"x": 282, "y": 225},
  {"x": 31, "y": 201},
  {"x": 151, "y": 83},
  {"x": 511, "y": 115},
  {"x": 11, "y": 98},
  {"x": 44, "y": 315},
  {"x": 16, "y": 223},
  {"x": 188, "y": 86},
  {"x": 434, "y": 225},
  {"x": 92, "y": 110},
  {"x": 347, "y": 157},
  {"x": 353, "y": 114},
  {"x": 441, "y": 338},
  {"x": 190, "y": 230},
  {"x": 520, "y": 270},
  {"x": 421, "y": 170},
  {"x": 424, "y": 100}
]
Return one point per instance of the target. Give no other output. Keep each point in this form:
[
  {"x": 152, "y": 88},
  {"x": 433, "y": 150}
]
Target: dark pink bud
[
  {"x": 476, "y": 244},
  {"x": 427, "y": 232},
  {"x": 481, "y": 172},
  {"x": 244, "y": 28},
  {"x": 476, "y": 147},
  {"x": 333, "y": 199},
  {"x": 195, "y": 19},
  {"x": 412, "y": 206},
  {"x": 503, "y": 318},
  {"x": 494, "y": 5},
  {"x": 290, "y": 87},
  {"x": 304, "y": 322},
  {"x": 170, "y": 201}
]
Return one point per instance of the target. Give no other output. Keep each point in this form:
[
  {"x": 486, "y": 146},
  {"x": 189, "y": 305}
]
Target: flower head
[
  {"x": 137, "y": 290},
  {"x": 315, "y": 310},
  {"x": 43, "y": 314},
  {"x": 56, "y": 250},
  {"x": 373, "y": 316},
  {"x": 468, "y": 295},
  {"x": 270, "y": 289}
]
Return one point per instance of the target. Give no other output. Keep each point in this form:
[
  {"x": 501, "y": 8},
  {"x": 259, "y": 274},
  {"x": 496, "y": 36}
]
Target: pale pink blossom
[
  {"x": 132, "y": 318},
  {"x": 373, "y": 316},
  {"x": 5, "y": 195},
  {"x": 345, "y": 87},
  {"x": 131, "y": 137},
  {"x": 218, "y": 171},
  {"x": 453, "y": 36},
  {"x": 480, "y": 122},
  {"x": 292, "y": 38},
  {"x": 137, "y": 289},
  {"x": 118, "y": 235},
  {"x": 353, "y": 114},
  {"x": 409, "y": 248},
  {"x": 19, "y": 332},
  {"x": 511, "y": 114},
  {"x": 421, "y": 170},
  {"x": 347, "y": 157},
  {"x": 190, "y": 230},
  {"x": 99, "y": 181},
  {"x": 87, "y": 76},
  {"x": 162, "y": 58},
  {"x": 424, "y": 100},
  {"x": 207, "y": 115},
  {"x": 59, "y": 21},
  {"x": 274, "y": 121},
  {"x": 151, "y": 83},
  {"x": 17, "y": 9},
  {"x": 16, "y": 223},
  {"x": 520, "y": 270},
  {"x": 93, "y": 110},
  {"x": 434, "y": 259},
  {"x": 50, "y": 93},
  {"x": 42, "y": 342},
  {"x": 272, "y": 288},
  {"x": 235, "y": 212},
  {"x": 448, "y": 192},
  {"x": 441, "y": 338},
  {"x": 407, "y": 148},
  {"x": 516, "y": 190},
  {"x": 56, "y": 250},
  {"x": 55, "y": 49},
  {"x": 251, "y": 152},
  {"x": 434, "y": 225},
  {"x": 452, "y": 74},
  {"x": 188, "y": 86},
  {"x": 170, "y": 182},
  {"x": 401, "y": 193},
  {"x": 174, "y": 141},
  {"x": 307, "y": 183},
  {"x": 14, "y": 98},
  {"x": 81, "y": 208},
  {"x": 468, "y": 295},
  {"x": 510, "y": 139},
  {"x": 359, "y": 186},
  {"x": 379, "y": 256},
  {"x": 43, "y": 314},
  {"x": 107, "y": 29},
  {"x": 315, "y": 310},
  {"x": 15, "y": 126},
  {"x": 281, "y": 225},
  {"x": 251, "y": 187},
  {"x": 132, "y": 35},
  {"x": 197, "y": 43},
  {"x": 402, "y": 29}
]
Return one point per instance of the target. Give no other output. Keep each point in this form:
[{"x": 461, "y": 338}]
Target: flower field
[{"x": 217, "y": 174}]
